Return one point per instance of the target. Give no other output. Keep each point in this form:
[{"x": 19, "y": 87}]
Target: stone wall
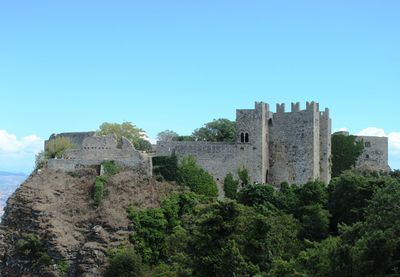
[
  {"x": 294, "y": 145},
  {"x": 97, "y": 149},
  {"x": 375, "y": 154},
  {"x": 274, "y": 147},
  {"x": 75, "y": 137},
  {"x": 325, "y": 131}
]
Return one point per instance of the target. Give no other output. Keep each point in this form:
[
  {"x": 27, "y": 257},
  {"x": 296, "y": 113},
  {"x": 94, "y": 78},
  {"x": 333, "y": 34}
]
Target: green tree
[
  {"x": 349, "y": 195},
  {"x": 196, "y": 178},
  {"x": 345, "y": 152},
  {"x": 124, "y": 262},
  {"x": 126, "y": 129},
  {"x": 217, "y": 130},
  {"x": 167, "y": 135},
  {"x": 56, "y": 148},
  {"x": 244, "y": 176},
  {"x": 257, "y": 195},
  {"x": 230, "y": 186},
  {"x": 314, "y": 220},
  {"x": 166, "y": 166}
]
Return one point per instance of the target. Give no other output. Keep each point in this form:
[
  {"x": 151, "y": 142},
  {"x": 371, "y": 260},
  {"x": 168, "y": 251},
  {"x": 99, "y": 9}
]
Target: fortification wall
[
  {"x": 375, "y": 154},
  {"x": 294, "y": 145},
  {"x": 217, "y": 158},
  {"x": 325, "y": 129},
  {"x": 95, "y": 150},
  {"x": 76, "y": 138},
  {"x": 252, "y": 125}
]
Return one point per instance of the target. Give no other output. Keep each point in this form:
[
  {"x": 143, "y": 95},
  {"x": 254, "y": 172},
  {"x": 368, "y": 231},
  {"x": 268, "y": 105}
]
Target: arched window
[
  {"x": 270, "y": 122},
  {"x": 242, "y": 137},
  {"x": 246, "y": 138}
]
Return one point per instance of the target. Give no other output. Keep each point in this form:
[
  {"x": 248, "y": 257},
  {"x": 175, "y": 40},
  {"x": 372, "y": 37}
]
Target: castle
[{"x": 283, "y": 146}]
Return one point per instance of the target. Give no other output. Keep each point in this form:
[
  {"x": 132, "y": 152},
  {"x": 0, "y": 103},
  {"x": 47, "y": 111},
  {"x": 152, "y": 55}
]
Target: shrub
[
  {"x": 124, "y": 262},
  {"x": 196, "y": 178},
  {"x": 345, "y": 152},
  {"x": 166, "y": 167},
  {"x": 110, "y": 168},
  {"x": 230, "y": 186},
  {"x": 31, "y": 247},
  {"x": 99, "y": 189},
  {"x": 56, "y": 148},
  {"x": 244, "y": 176}
]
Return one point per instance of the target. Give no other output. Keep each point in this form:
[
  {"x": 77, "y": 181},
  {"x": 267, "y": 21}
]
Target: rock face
[{"x": 58, "y": 209}]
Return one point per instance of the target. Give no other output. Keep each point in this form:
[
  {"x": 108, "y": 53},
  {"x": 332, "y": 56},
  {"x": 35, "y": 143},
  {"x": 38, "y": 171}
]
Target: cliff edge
[{"x": 52, "y": 227}]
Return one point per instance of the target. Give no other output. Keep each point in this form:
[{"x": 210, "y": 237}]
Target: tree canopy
[
  {"x": 217, "y": 130},
  {"x": 128, "y": 130},
  {"x": 345, "y": 152}
]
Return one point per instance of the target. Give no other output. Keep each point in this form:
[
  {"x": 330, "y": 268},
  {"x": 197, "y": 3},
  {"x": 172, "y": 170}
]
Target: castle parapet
[
  {"x": 280, "y": 108},
  {"x": 312, "y": 106},
  {"x": 296, "y": 107}
]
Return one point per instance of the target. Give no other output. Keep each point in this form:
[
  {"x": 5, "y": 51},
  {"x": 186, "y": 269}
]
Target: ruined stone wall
[
  {"x": 97, "y": 149},
  {"x": 375, "y": 154},
  {"x": 75, "y": 137},
  {"x": 294, "y": 145}
]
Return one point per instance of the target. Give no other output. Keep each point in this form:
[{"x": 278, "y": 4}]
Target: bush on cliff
[
  {"x": 56, "y": 148},
  {"x": 197, "y": 179}
]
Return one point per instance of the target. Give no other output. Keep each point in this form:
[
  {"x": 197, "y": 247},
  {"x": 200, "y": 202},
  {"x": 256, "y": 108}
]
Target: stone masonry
[
  {"x": 286, "y": 146},
  {"x": 91, "y": 150}
]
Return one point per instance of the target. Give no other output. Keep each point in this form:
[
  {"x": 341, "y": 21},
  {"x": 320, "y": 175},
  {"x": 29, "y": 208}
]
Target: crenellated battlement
[
  {"x": 324, "y": 114},
  {"x": 280, "y": 108},
  {"x": 295, "y": 107}
]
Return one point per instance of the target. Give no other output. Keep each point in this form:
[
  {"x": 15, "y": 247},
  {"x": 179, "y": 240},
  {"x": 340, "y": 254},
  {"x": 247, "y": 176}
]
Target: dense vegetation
[
  {"x": 218, "y": 130},
  {"x": 128, "y": 130},
  {"x": 349, "y": 228},
  {"x": 345, "y": 152}
]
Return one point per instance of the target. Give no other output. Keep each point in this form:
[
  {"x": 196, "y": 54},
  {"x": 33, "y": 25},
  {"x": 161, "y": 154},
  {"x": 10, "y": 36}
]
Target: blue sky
[{"x": 71, "y": 65}]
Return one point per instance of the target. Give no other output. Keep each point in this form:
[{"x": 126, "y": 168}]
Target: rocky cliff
[{"x": 51, "y": 226}]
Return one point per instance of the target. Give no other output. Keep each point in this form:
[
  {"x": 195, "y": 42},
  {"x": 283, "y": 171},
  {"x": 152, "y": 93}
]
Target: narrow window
[
  {"x": 368, "y": 144},
  {"x": 246, "y": 139},
  {"x": 242, "y": 137},
  {"x": 367, "y": 157},
  {"x": 270, "y": 122}
]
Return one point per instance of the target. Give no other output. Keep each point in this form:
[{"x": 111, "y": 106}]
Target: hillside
[{"x": 58, "y": 209}]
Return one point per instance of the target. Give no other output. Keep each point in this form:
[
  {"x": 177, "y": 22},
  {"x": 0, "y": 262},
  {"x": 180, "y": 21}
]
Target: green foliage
[
  {"x": 196, "y": 178},
  {"x": 63, "y": 267},
  {"x": 124, "y": 262},
  {"x": 110, "y": 168},
  {"x": 151, "y": 226},
  {"x": 244, "y": 176},
  {"x": 56, "y": 148},
  {"x": 165, "y": 166},
  {"x": 99, "y": 189},
  {"x": 217, "y": 130},
  {"x": 32, "y": 248},
  {"x": 349, "y": 196},
  {"x": 257, "y": 195},
  {"x": 272, "y": 232},
  {"x": 167, "y": 135},
  {"x": 184, "y": 138},
  {"x": 129, "y": 131},
  {"x": 345, "y": 152},
  {"x": 230, "y": 186},
  {"x": 314, "y": 221},
  {"x": 40, "y": 160}
]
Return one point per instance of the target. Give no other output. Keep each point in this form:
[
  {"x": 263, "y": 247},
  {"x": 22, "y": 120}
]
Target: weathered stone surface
[
  {"x": 275, "y": 147},
  {"x": 292, "y": 147},
  {"x": 96, "y": 149}
]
